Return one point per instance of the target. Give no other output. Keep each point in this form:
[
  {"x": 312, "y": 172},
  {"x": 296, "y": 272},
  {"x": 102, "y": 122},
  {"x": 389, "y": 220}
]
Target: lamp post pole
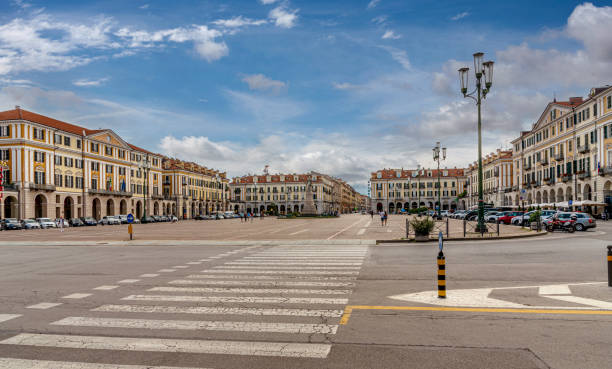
[
  {"x": 481, "y": 69},
  {"x": 575, "y": 169},
  {"x": 419, "y": 189},
  {"x": 436, "y": 157}
]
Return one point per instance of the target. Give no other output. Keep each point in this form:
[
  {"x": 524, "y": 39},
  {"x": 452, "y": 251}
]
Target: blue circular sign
[{"x": 130, "y": 218}]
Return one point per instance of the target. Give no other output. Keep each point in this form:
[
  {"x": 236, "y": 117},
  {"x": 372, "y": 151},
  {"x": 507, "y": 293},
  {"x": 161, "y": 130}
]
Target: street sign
[
  {"x": 130, "y": 218},
  {"x": 570, "y": 203},
  {"x": 440, "y": 241},
  {"x": 523, "y": 190}
]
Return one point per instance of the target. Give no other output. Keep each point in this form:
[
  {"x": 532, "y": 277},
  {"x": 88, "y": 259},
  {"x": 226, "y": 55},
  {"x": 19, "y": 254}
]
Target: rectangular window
[
  {"x": 95, "y": 167},
  {"x": 5, "y": 131},
  {"x": 594, "y": 110},
  {"x": 78, "y": 144},
  {"x": 39, "y": 177},
  {"x": 39, "y": 157},
  {"x": 610, "y": 102},
  {"x": 39, "y": 134},
  {"x": 5, "y": 154},
  {"x": 66, "y": 141},
  {"x": 79, "y": 182},
  {"x": 109, "y": 168},
  {"x": 78, "y": 163},
  {"x": 108, "y": 150},
  {"x": 69, "y": 181},
  {"x": 57, "y": 139},
  {"x": 94, "y": 183},
  {"x": 94, "y": 147},
  {"x": 58, "y": 160},
  {"x": 58, "y": 180}
]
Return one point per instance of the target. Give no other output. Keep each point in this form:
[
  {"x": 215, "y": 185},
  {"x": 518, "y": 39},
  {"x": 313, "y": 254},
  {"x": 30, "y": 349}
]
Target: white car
[
  {"x": 46, "y": 223},
  {"x": 109, "y": 220},
  {"x": 492, "y": 216}
]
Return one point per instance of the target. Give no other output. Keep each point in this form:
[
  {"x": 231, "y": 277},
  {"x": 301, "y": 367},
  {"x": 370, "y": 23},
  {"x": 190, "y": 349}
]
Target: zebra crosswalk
[{"x": 279, "y": 302}]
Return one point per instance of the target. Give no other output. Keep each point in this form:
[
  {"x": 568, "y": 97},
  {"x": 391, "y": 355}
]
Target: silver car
[{"x": 30, "y": 224}]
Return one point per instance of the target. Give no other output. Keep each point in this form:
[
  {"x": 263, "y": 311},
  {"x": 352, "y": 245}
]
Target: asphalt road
[{"x": 533, "y": 303}]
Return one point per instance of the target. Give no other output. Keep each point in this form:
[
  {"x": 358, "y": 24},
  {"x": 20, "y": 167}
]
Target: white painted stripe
[
  {"x": 194, "y": 263},
  {"x": 166, "y": 270},
  {"x": 330, "y": 258},
  {"x": 129, "y": 281},
  {"x": 105, "y": 288},
  {"x": 214, "y": 257},
  {"x": 44, "y": 364},
  {"x": 267, "y": 267},
  {"x": 5, "y": 317},
  {"x": 196, "y": 325},
  {"x": 44, "y": 305},
  {"x": 298, "y": 272},
  {"x": 555, "y": 289},
  {"x": 298, "y": 232},
  {"x": 77, "y": 296},
  {"x": 368, "y": 223},
  {"x": 180, "y": 267},
  {"x": 287, "y": 263},
  {"x": 204, "y": 260},
  {"x": 218, "y": 310},
  {"x": 149, "y": 275},
  {"x": 249, "y": 290},
  {"x": 583, "y": 301},
  {"x": 283, "y": 349},
  {"x": 361, "y": 231},
  {"x": 261, "y": 283},
  {"x": 239, "y": 299},
  {"x": 268, "y": 277}
]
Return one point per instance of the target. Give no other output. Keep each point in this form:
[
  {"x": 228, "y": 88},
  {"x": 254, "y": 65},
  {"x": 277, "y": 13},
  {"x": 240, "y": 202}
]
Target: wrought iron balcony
[
  {"x": 584, "y": 175},
  {"x": 566, "y": 178},
  {"x": 605, "y": 171},
  {"x": 583, "y": 149},
  {"x": 559, "y": 157},
  {"x": 10, "y": 186},
  {"x": 42, "y": 187},
  {"x": 93, "y": 191}
]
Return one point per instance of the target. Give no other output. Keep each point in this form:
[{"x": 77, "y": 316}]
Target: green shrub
[
  {"x": 533, "y": 217},
  {"x": 422, "y": 227}
]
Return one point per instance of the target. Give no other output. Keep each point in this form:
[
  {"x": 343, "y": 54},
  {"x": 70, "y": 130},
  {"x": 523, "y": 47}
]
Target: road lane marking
[
  {"x": 268, "y": 277},
  {"x": 105, "y": 288},
  {"x": 298, "y": 232},
  {"x": 218, "y": 310},
  {"x": 77, "y": 296},
  {"x": 5, "y": 317},
  {"x": 44, "y": 305},
  {"x": 180, "y": 267},
  {"x": 150, "y": 275},
  {"x": 245, "y": 267},
  {"x": 194, "y": 325},
  {"x": 129, "y": 281},
  {"x": 194, "y": 263},
  {"x": 261, "y": 283},
  {"x": 349, "y": 309},
  {"x": 582, "y": 300},
  {"x": 239, "y": 299},
  {"x": 280, "y": 349},
  {"x": 44, "y": 364},
  {"x": 344, "y": 229},
  {"x": 288, "y": 263},
  {"x": 556, "y": 289},
  {"x": 350, "y": 258},
  {"x": 166, "y": 270},
  {"x": 295, "y": 272},
  {"x": 249, "y": 290},
  {"x": 361, "y": 231}
]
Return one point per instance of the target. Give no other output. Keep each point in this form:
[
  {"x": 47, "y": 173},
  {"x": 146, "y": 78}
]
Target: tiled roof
[{"x": 17, "y": 114}]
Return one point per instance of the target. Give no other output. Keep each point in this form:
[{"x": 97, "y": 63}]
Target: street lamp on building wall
[
  {"x": 481, "y": 69},
  {"x": 436, "y": 157}
]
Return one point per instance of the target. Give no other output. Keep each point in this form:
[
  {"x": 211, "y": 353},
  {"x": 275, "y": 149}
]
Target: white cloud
[
  {"x": 264, "y": 108},
  {"x": 83, "y": 82},
  {"x": 389, "y": 34},
  {"x": 345, "y": 86},
  {"x": 239, "y": 21},
  {"x": 144, "y": 6},
  {"x": 261, "y": 82},
  {"x": 283, "y": 17},
  {"x": 21, "y": 4},
  {"x": 592, "y": 26},
  {"x": 268, "y": 2},
  {"x": 373, "y": 3},
  {"x": 381, "y": 19},
  {"x": 460, "y": 16},
  {"x": 399, "y": 56}
]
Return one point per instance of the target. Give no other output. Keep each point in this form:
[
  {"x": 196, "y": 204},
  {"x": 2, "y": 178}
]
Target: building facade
[
  {"x": 396, "y": 189},
  {"x": 192, "y": 189},
  {"x": 497, "y": 177},
  {"x": 287, "y": 193},
  {"x": 55, "y": 169},
  {"x": 567, "y": 154}
]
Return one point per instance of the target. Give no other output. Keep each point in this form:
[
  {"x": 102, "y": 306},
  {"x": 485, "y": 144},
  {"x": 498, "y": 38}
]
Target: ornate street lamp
[
  {"x": 145, "y": 165},
  {"x": 480, "y": 69},
  {"x": 436, "y": 157}
]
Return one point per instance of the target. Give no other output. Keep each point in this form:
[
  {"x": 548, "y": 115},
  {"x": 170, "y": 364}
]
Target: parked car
[
  {"x": 508, "y": 216},
  {"x": 147, "y": 219},
  {"x": 89, "y": 221},
  {"x": 10, "y": 224},
  {"x": 444, "y": 213},
  {"x": 76, "y": 222},
  {"x": 58, "y": 222},
  {"x": 109, "y": 220},
  {"x": 584, "y": 221},
  {"x": 122, "y": 218},
  {"x": 458, "y": 214},
  {"x": 46, "y": 223},
  {"x": 199, "y": 217},
  {"x": 173, "y": 218},
  {"x": 30, "y": 224},
  {"x": 491, "y": 216},
  {"x": 164, "y": 218}
]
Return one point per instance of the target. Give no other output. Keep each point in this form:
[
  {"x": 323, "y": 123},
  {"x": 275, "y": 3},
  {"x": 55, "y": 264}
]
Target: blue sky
[{"x": 342, "y": 87}]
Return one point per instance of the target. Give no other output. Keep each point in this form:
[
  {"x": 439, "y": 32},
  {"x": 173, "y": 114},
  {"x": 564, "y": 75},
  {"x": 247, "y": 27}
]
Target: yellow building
[
  {"x": 497, "y": 178},
  {"x": 192, "y": 189},
  {"x": 567, "y": 154},
  {"x": 56, "y": 169}
]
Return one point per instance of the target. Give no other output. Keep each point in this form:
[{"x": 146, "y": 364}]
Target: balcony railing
[
  {"x": 93, "y": 191},
  {"x": 559, "y": 157},
  {"x": 549, "y": 180},
  {"x": 157, "y": 197},
  {"x": 10, "y": 187},
  {"x": 584, "y": 175},
  {"x": 583, "y": 149},
  {"x": 544, "y": 161},
  {"x": 566, "y": 178},
  {"x": 42, "y": 187}
]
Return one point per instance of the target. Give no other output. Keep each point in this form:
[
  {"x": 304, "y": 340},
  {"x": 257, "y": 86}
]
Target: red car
[{"x": 508, "y": 215}]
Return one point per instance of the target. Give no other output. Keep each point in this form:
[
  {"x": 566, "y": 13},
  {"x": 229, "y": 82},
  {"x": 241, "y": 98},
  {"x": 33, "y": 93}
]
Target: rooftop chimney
[{"x": 575, "y": 100}]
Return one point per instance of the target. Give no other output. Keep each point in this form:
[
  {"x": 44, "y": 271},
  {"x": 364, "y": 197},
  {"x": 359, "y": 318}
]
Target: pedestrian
[
  {"x": 61, "y": 221},
  {"x": 382, "y": 218},
  {"x": 252, "y": 216},
  {"x": 604, "y": 216},
  {"x": 372, "y": 214},
  {"x": 386, "y": 216}
]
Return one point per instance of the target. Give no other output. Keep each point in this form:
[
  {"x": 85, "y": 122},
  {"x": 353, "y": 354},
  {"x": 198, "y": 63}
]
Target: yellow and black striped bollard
[
  {"x": 441, "y": 276},
  {"x": 610, "y": 266}
]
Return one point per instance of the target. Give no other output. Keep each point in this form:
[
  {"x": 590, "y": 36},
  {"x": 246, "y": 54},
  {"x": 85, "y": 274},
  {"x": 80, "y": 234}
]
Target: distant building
[{"x": 497, "y": 175}]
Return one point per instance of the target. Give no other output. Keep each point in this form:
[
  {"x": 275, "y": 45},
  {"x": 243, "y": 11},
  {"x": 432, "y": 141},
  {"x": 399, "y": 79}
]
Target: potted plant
[{"x": 422, "y": 228}]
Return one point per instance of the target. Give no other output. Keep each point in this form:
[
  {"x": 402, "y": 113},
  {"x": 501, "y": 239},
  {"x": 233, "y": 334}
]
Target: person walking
[
  {"x": 61, "y": 222},
  {"x": 386, "y": 216},
  {"x": 372, "y": 214},
  {"x": 382, "y": 218}
]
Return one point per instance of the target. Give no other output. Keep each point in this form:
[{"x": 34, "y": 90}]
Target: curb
[{"x": 467, "y": 239}]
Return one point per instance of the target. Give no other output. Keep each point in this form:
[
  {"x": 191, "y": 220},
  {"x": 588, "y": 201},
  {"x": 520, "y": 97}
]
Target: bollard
[
  {"x": 407, "y": 229},
  {"x": 610, "y": 266},
  {"x": 130, "y": 231},
  {"x": 447, "y": 220},
  {"x": 497, "y": 227},
  {"x": 441, "y": 276}
]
